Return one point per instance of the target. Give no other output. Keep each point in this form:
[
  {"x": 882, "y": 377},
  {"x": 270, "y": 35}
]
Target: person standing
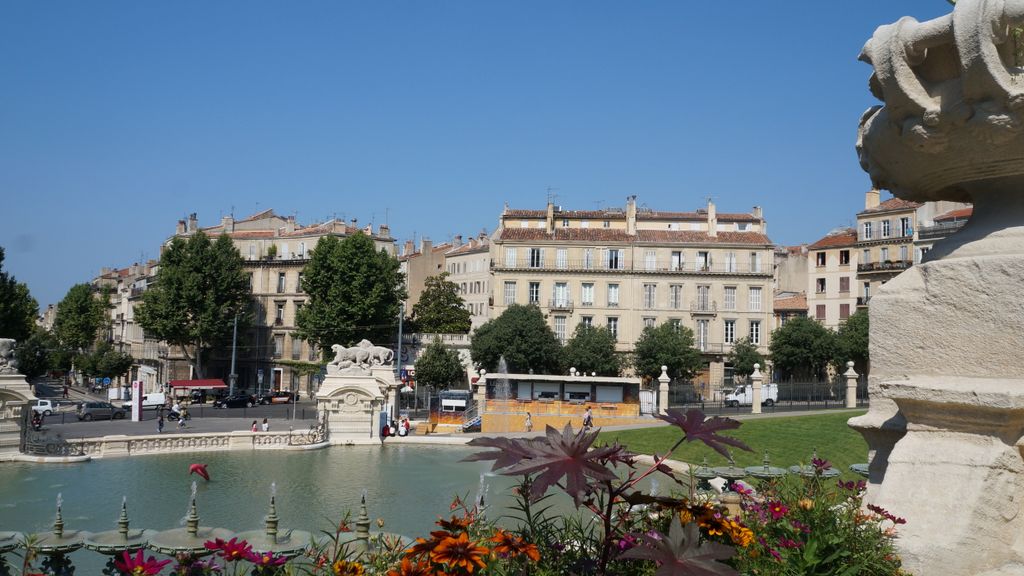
[
  {"x": 529, "y": 422},
  {"x": 160, "y": 424},
  {"x": 255, "y": 427},
  {"x": 588, "y": 419},
  {"x": 266, "y": 425},
  {"x": 65, "y": 391}
]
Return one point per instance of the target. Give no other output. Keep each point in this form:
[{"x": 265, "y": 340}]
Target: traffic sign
[{"x": 106, "y": 381}]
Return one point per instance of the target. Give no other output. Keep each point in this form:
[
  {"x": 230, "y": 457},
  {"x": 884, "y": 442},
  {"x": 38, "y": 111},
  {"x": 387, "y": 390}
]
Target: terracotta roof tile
[
  {"x": 564, "y": 234},
  {"x": 720, "y": 216},
  {"x": 845, "y": 237},
  {"x": 514, "y": 213},
  {"x": 960, "y": 214},
  {"x": 798, "y": 302},
  {"x": 701, "y": 237},
  {"x": 469, "y": 248},
  {"x": 892, "y": 204},
  {"x": 616, "y": 235}
]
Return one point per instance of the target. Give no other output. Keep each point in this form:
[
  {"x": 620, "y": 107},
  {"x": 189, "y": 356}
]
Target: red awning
[{"x": 207, "y": 383}]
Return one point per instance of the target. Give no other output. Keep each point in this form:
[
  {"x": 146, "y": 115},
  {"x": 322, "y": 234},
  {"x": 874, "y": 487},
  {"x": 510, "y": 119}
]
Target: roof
[
  {"x": 642, "y": 214},
  {"x": 469, "y": 248},
  {"x": 702, "y": 215},
  {"x": 618, "y": 235},
  {"x": 836, "y": 239},
  {"x": 961, "y": 214},
  {"x": 206, "y": 383},
  {"x": 514, "y": 213},
  {"x": 798, "y": 302},
  {"x": 892, "y": 205}
]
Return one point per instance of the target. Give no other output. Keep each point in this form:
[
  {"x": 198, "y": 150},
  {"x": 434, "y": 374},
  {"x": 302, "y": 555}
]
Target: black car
[
  {"x": 278, "y": 397},
  {"x": 236, "y": 400}
]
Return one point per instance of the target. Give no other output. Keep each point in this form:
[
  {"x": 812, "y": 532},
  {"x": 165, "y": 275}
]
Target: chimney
[
  {"x": 551, "y": 217},
  {"x": 384, "y": 231},
  {"x": 871, "y": 199},
  {"x": 289, "y": 224},
  {"x": 482, "y": 236},
  {"x": 193, "y": 222},
  {"x": 368, "y": 230},
  {"x": 457, "y": 241},
  {"x": 758, "y": 213},
  {"x": 227, "y": 223},
  {"x": 426, "y": 246},
  {"x": 631, "y": 215},
  {"x": 409, "y": 248},
  {"x": 712, "y": 219},
  {"x": 181, "y": 229}
]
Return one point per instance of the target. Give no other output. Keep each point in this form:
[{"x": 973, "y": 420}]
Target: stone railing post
[
  {"x": 851, "y": 385},
  {"x": 663, "y": 390},
  {"x": 756, "y": 379}
]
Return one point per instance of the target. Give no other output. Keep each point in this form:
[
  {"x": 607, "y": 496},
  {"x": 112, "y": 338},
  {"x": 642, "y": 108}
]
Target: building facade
[
  {"x": 627, "y": 269},
  {"x": 831, "y": 291},
  {"x": 469, "y": 266}
]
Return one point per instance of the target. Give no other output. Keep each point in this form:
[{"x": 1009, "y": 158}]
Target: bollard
[
  {"x": 756, "y": 380},
  {"x": 851, "y": 385}
]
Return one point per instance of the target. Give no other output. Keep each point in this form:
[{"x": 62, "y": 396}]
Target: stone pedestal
[
  {"x": 15, "y": 399},
  {"x": 663, "y": 381},
  {"x": 352, "y": 402},
  {"x": 756, "y": 381},
  {"x": 851, "y": 385}
]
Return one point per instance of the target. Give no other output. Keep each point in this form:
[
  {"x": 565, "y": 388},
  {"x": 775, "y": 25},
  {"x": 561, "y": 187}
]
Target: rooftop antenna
[
  {"x": 387, "y": 214},
  {"x": 232, "y": 211},
  {"x": 551, "y": 194}
]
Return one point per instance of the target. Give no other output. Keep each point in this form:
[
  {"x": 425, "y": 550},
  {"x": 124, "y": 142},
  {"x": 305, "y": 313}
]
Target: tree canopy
[
  {"x": 802, "y": 349},
  {"x": 743, "y": 356},
  {"x": 592, "y": 349},
  {"x": 668, "y": 345},
  {"x": 200, "y": 287},
  {"x": 80, "y": 315},
  {"x": 852, "y": 343},
  {"x": 355, "y": 292},
  {"x": 439, "y": 366},
  {"x": 522, "y": 336},
  {"x": 18, "y": 309},
  {"x": 34, "y": 353},
  {"x": 440, "y": 309},
  {"x": 105, "y": 362}
]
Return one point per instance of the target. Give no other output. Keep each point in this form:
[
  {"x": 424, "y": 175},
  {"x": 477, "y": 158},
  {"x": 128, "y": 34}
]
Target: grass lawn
[{"x": 789, "y": 440}]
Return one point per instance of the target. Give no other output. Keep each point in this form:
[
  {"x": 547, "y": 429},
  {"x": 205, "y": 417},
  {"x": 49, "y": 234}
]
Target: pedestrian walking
[
  {"x": 255, "y": 426},
  {"x": 529, "y": 422},
  {"x": 65, "y": 391},
  {"x": 160, "y": 424},
  {"x": 588, "y": 419},
  {"x": 266, "y": 425}
]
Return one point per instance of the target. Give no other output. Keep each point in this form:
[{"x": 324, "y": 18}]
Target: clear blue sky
[{"x": 119, "y": 118}]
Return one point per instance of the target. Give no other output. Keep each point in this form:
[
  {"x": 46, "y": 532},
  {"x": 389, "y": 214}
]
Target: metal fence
[{"x": 793, "y": 396}]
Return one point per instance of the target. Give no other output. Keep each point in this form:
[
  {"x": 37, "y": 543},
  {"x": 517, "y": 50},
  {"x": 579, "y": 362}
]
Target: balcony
[
  {"x": 885, "y": 266},
  {"x": 704, "y": 307},
  {"x": 863, "y": 301},
  {"x": 939, "y": 230},
  {"x": 560, "y": 304},
  {"x": 640, "y": 266}
]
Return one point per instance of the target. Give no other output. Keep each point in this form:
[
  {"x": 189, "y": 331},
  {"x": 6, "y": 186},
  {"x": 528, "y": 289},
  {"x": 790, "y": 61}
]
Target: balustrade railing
[{"x": 641, "y": 266}]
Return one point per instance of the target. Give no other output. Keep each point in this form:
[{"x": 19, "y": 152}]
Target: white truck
[
  {"x": 150, "y": 401},
  {"x": 744, "y": 395}
]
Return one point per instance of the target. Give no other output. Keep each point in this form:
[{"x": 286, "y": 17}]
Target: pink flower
[
  {"x": 820, "y": 464},
  {"x": 787, "y": 543},
  {"x": 265, "y": 559},
  {"x": 139, "y": 565},
  {"x": 232, "y": 550},
  {"x": 777, "y": 509}
]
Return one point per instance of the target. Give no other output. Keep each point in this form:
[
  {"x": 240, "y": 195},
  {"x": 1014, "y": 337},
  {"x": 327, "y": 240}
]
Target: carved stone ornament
[
  {"x": 8, "y": 364},
  {"x": 360, "y": 357}
]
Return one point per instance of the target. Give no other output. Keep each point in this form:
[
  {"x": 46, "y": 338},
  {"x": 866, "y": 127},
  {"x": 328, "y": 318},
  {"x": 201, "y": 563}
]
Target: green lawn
[{"x": 789, "y": 440}]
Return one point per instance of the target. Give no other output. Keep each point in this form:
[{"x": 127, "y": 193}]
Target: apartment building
[
  {"x": 941, "y": 226},
  {"x": 831, "y": 291},
  {"x": 469, "y": 266},
  {"x": 630, "y": 268},
  {"x": 418, "y": 264},
  {"x": 275, "y": 250},
  {"x": 788, "y": 305}
]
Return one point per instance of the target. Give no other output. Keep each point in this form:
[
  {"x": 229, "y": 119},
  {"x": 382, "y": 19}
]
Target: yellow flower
[
  {"x": 346, "y": 568},
  {"x": 805, "y": 503}
]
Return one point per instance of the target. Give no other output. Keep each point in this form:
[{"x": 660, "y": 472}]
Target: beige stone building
[
  {"x": 275, "y": 249},
  {"x": 419, "y": 263},
  {"x": 635, "y": 267},
  {"x": 831, "y": 290},
  {"x": 469, "y": 267}
]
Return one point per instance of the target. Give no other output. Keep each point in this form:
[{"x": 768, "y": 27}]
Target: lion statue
[
  {"x": 8, "y": 365},
  {"x": 378, "y": 355}
]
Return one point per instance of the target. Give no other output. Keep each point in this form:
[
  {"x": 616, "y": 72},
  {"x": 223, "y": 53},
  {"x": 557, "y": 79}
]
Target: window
[
  {"x": 252, "y": 251},
  {"x": 742, "y": 226},
  {"x": 613, "y": 326},
  {"x": 903, "y": 253},
  {"x": 819, "y": 311},
  {"x": 648, "y": 322},
  {"x": 730, "y": 261},
  {"x": 561, "y": 258},
  {"x": 561, "y": 294},
  {"x": 730, "y": 331},
  {"x": 677, "y": 260},
  {"x": 703, "y": 261},
  {"x": 866, "y": 257},
  {"x": 295, "y": 381},
  {"x": 510, "y": 257},
  {"x": 524, "y": 224},
  {"x": 298, "y": 283},
  {"x": 536, "y": 257},
  {"x": 884, "y": 256},
  {"x": 868, "y": 232},
  {"x": 613, "y": 294},
  {"x": 614, "y": 259},
  {"x": 585, "y": 224},
  {"x": 820, "y": 256},
  {"x": 250, "y": 281},
  {"x": 867, "y": 291},
  {"x": 675, "y": 296},
  {"x": 755, "y": 332},
  {"x": 844, "y": 311},
  {"x": 675, "y": 323},
  {"x": 905, "y": 229},
  {"x": 730, "y": 297},
  {"x": 296, "y": 347},
  {"x": 844, "y": 285},
  {"x": 534, "y": 293},
  {"x": 280, "y": 282},
  {"x": 650, "y": 260},
  {"x": 755, "y": 262},
  {"x": 565, "y": 222},
  {"x": 703, "y": 298},
  {"x": 279, "y": 314},
  {"x": 284, "y": 250},
  {"x": 560, "y": 328},
  {"x": 755, "y": 298},
  {"x": 587, "y": 294},
  {"x": 587, "y": 320},
  {"x": 702, "y": 334},
  {"x": 510, "y": 293},
  {"x": 844, "y": 257},
  {"x": 886, "y": 225},
  {"x": 650, "y": 296},
  {"x": 302, "y": 249},
  {"x": 607, "y": 224},
  {"x": 819, "y": 285},
  {"x": 588, "y": 258},
  {"x": 278, "y": 345}
]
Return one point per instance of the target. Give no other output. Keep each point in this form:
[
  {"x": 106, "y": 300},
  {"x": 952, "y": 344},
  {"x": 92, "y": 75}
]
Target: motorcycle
[{"x": 173, "y": 416}]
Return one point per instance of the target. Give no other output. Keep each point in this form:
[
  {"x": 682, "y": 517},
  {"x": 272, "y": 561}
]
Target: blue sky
[{"x": 119, "y": 118}]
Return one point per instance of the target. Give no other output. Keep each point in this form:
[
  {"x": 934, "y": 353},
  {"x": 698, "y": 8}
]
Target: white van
[
  {"x": 745, "y": 395},
  {"x": 150, "y": 401}
]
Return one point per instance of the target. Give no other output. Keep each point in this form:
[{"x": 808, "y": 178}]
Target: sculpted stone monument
[
  {"x": 15, "y": 397},
  {"x": 358, "y": 382},
  {"x": 946, "y": 424}
]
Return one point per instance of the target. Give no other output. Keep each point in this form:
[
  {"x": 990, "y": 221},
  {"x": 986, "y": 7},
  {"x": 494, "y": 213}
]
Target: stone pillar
[
  {"x": 663, "y": 390},
  {"x": 851, "y": 386},
  {"x": 756, "y": 380},
  {"x": 480, "y": 393}
]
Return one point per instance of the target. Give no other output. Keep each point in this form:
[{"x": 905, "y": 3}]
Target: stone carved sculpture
[
  {"x": 359, "y": 359},
  {"x": 946, "y": 424},
  {"x": 8, "y": 364}
]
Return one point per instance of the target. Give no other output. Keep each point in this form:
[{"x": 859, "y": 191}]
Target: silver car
[{"x": 95, "y": 410}]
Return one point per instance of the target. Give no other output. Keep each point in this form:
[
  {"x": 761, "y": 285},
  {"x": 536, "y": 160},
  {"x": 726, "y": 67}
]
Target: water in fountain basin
[{"x": 501, "y": 388}]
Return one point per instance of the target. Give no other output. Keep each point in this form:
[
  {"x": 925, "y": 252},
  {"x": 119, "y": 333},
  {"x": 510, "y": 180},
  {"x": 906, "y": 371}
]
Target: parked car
[
  {"x": 236, "y": 400},
  {"x": 95, "y": 410},
  {"x": 151, "y": 401},
  {"x": 45, "y": 407},
  {"x": 278, "y": 397}
]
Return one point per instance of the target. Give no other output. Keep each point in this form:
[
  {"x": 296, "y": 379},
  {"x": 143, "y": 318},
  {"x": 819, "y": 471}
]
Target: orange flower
[
  {"x": 456, "y": 524},
  {"x": 424, "y": 546},
  {"x": 459, "y": 551},
  {"x": 408, "y": 568},
  {"x": 511, "y": 546},
  {"x": 346, "y": 568}
]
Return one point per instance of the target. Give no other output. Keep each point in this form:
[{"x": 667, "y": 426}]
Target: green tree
[
  {"x": 522, "y": 336},
  {"x": 852, "y": 343},
  {"x": 17, "y": 307},
  {"x": 355, "y": 292},
  {"x": 200, "y": 287},
  {"x": 802, "y": 349},
  {"x": 33, "y": 353},
  {"x": 666, "y": 345},
  {"x": 439, "y": 366},
  {"x": 105, "y": 361},
  {"x": 743, "y": 356},
  {"x": 80, "y": 316},
  {"x": 592, "y": 349},
  {"x": 440, "y": 309}
]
